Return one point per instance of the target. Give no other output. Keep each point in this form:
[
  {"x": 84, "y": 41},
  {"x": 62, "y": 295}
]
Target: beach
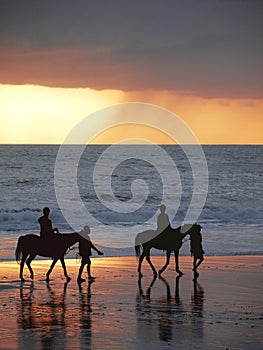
[{"x": 222, "y": 309}]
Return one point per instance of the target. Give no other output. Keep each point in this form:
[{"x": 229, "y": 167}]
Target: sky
[{"x": 60, "y": 61}]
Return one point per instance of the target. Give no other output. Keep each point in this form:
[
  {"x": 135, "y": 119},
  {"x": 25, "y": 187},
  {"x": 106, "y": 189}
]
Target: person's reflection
[
  {"x": 85, "y": 314},
  {"x": 197, "y": 302},
  {"x": 47, "y": 315}
]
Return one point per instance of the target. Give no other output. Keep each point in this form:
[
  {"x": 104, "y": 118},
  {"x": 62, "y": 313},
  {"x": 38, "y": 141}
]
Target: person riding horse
[
  {"x": 163, "y": 221},
  {"x": 46, "y": 230}
]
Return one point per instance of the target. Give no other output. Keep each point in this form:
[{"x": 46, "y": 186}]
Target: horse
[
  {"x": 31, "y": 245},
  {"x": 169, "y": 240}
]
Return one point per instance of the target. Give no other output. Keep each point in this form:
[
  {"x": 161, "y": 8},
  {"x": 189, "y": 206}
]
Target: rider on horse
[
  {"x": 46, "y": 230},
  {"x": 163, "y": 221}
]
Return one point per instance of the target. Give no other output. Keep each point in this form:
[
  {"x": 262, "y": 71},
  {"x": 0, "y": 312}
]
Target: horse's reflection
[
  {"x": 49, "y": 316},
  {"x": 164, "y": 308},
  {"x": 168, "y": 313}
]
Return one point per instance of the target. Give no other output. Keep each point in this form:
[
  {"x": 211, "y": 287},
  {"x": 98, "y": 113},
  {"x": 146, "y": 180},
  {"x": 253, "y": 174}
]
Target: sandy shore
[{"x": 222, "y": 310}]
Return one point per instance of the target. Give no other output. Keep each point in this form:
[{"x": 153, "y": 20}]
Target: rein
[{"x": 69, "y": 249}]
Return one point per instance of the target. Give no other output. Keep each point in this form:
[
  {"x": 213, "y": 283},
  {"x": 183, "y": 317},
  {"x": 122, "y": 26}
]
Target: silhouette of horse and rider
[
  {"x": 170, "y": 240},
  {"x": 53, "y": 244}
]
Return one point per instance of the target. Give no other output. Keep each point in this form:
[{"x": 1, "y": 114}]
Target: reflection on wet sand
[
  {"x": 48, "y": 316},
  {"x": 46, "y": 320},
  {"x": 167, "y": 315},
  {"x": 197, "y": 300},
  {"x": 85, "y": 316}
]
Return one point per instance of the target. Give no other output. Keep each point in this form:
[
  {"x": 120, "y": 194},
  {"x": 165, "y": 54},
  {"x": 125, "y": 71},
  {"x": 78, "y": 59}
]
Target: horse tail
[
  {"x": 137, "y": 246},
  {"x": 18, "y": 250}
]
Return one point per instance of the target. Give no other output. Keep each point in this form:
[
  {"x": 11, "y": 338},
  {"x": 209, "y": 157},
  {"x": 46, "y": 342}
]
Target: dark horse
[
  {"x": 29, "y": 246},
  {"x": 169, "y": 240}
]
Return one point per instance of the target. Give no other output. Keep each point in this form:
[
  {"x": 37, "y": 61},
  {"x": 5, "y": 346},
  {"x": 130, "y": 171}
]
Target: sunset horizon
[
  {"x": 131, "y": 152},
  {"x": 25, "y": 107}
]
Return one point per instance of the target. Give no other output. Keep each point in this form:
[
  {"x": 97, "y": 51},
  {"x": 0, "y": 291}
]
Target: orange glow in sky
[{"x": 42, "y": 115}]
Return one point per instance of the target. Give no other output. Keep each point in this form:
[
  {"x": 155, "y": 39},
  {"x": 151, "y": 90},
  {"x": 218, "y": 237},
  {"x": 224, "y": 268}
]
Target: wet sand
[{"x": 221, "y": 310}]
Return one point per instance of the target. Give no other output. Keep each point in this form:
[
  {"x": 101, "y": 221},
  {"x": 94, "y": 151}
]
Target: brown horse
[
  {"x": 169, "y": 240},
  {"x": 29, "y": 246}
]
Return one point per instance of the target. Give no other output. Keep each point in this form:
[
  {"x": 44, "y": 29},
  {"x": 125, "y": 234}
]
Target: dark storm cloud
[{"x": 212, "y": 48}]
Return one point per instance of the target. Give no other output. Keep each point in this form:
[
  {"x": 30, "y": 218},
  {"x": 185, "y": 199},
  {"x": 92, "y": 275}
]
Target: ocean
[{"x": 118, "y": 191}]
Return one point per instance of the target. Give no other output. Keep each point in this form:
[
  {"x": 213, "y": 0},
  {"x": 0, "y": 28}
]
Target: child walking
[{"x": 85, "y": 246}]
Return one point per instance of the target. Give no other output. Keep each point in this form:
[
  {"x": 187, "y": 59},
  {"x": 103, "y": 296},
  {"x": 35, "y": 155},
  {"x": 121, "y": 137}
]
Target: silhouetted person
[
  {"x": 163, "y": 221},
  {"x": 46, "y": 230},
  {"x": 85, "y": 246},
  {"x": 196, "y": 249}
]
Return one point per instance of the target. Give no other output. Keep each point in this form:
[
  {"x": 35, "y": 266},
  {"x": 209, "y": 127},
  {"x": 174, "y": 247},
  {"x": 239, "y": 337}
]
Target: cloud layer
[{"x": 207, "y": 48}]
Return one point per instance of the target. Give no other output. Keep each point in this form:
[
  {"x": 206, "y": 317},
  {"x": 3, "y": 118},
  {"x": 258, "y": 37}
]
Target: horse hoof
[
  {"x": 196, "y": 274},
  {"x": 68, "y": 279},
  {"x": 32, "y": 277}
]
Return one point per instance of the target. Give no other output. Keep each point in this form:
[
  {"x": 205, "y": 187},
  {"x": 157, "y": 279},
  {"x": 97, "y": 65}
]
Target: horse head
[{"x": 190, "y": 229}]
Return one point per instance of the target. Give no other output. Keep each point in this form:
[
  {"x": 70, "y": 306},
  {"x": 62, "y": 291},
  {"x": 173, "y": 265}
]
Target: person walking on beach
[
  {"x": 46, "y": 230},
  {"x": 196, "y": 249},
  {"x": 163, "y": 221},
  {"x": 85, "y": 246}
]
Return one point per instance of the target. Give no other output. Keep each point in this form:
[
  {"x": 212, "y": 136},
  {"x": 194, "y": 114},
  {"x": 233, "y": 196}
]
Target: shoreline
[{"x": 222, "y": 309}]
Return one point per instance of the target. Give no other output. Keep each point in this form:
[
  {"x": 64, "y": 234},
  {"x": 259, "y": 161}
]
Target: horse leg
[
  {"x": 150, "y": 263},
  {"x": 50, "y": 269},
  {"x": 22, "y": 263},
  {"x": 176, "y": 255},
  {"x": 168, "y": 254},
  {"x": 28, "y": 262},
  {"x": 142, "y": 256},
  {"x": 65, "y": 269}
]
